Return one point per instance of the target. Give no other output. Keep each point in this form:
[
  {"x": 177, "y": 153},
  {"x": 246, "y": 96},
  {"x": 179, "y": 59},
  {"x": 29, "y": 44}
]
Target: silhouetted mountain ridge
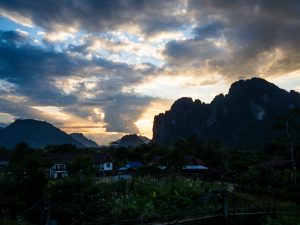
[
  {"x": 244, "y": 117},
  {"x": 35, "y": 133},
  {"x": 131, "y": 140},
  {"x": 84, "y": 140}
]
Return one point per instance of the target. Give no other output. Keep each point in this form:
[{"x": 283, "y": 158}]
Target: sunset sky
[{"x": 106, "y": 67}]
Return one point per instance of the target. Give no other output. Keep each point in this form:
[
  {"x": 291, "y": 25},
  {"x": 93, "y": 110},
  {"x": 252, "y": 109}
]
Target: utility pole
[
  {"x": 48, "y": 214},
  {"x": 291, "y": 150},
  {"x": 225, "y": 204},
  {"x": 226, "y": 166}
]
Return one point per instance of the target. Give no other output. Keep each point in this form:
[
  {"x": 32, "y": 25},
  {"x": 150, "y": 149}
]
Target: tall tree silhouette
[{"x": 290, "y": 122}]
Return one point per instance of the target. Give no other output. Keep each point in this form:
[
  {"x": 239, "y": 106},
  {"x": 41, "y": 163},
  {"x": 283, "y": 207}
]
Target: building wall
[
  {"x": 107, "y": 166},
  {"x": 58, "y": 170}
]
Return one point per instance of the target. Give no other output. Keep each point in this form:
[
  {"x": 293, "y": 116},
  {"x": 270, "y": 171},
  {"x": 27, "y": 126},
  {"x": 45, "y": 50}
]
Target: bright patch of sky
[
  {"x": 53, "y": 111},
  {"x": 57, "y": 40},
  {"x": 6, "y": 24},
  {"x": 6, "y": 118},
  {"x": 6, "y": 86},
  {"x": 290, "y": 82},
  {"x": 170, "y": 87}
]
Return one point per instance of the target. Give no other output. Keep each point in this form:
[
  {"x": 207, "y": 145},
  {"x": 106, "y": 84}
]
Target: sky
[{"x": 107, "y": 67}]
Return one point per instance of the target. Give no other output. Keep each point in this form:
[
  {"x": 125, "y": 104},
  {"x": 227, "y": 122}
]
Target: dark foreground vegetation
[{"x": 252, "y": 180}]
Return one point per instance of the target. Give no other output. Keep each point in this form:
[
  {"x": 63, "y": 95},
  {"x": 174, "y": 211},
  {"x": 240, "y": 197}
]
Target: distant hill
[
  {"x": 243, "y": 118},
  {"x": 144, "y": 139},
  {"x": 35, "y": 133},
  {"x": 84, "y": 140},
  {"x": 131, "y": 140},
  {"x": 2, "y": 125}
]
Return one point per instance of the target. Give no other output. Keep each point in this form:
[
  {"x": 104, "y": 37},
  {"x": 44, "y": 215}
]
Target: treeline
[{"x": 24, "y": 182}]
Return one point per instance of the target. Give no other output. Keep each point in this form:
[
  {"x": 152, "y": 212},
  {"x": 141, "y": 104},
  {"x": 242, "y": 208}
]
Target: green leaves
[
  {"x": 82, "y": 166},
  {"x": 154, "y": 194}
]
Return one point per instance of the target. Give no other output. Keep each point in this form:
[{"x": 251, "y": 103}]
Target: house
[
  {"x": 160, "y": 162},
  {"x": 193, "y": 165},
  {"x": 130, "y": 167},
  {"x": 125, "y": 172},
  {"x": 60, "y": 164},
  {"x": 4, "y": 161},
  {"x": 103, "y": 163}
]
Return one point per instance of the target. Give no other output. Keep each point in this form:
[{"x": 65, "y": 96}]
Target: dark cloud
[
  {"x": 190, "y": 53},
  {"x": 33, "y": 72},
  {"x": 123, "y": 111},
  {"x": 18, "y": 54},
  {"x": 93, "y": 15},
  {"x": 209, "y": 30},
  {"x": 11, "y": 37},
  {"x": 21, "y": 109},
  {"x": 240, "y": 38},
  {"x": 275, "y": 9},
  {"x": 32, "y": 68}
]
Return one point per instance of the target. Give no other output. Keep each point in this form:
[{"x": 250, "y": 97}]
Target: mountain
[
  {"x": 243, "y": 118},
  {"x": 144, "y": 139},
  {"x": 35, "y": 133},
  {"x": 132, "y": 140},
  {"x": 84, "y": 140},
  {"x": 2, "y": 125}
]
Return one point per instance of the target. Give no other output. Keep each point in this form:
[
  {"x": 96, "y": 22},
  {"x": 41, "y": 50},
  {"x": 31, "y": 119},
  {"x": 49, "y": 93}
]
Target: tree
[
  {"x": 23, "y": 186},
  {"x": 83, "y": 166},
  {"x": 62, "y": 148},
  {"x": 290, "y": 122}
]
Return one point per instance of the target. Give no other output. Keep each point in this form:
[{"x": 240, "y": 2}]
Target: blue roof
[
  {"x": 134, "y": 164},
  {"x": 131, "y": 165},
  {"x": 194, "y": 167},
  {"x": 124, "y": 168}
]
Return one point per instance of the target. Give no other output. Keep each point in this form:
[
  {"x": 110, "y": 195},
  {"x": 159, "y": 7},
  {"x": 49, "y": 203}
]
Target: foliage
[
  {"x": 10, "y": 222},
  {"x": 142, "y": 198},
  {"x": 24, "y": 182},
  {"x": 288, "y": 217},
  {"x": 83, "y": 198},
  {"x": 82, "y": 166},
  {"x": 151, "y": 193},
  {"x": 148, "y": 197},
  {"x": 148, "y": 170},
  {"x": 62, "y": 148}
]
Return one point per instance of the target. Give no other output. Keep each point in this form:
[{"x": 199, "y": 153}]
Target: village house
[
  {"x": 130, "y": 167},
  {"x": 103, "y": 164},
  {"x": 160, "y": 162},
  {"x": 60, "y": 163},
  {"x": 4, "y": 161},
  {"x": 193, "y": 165}
]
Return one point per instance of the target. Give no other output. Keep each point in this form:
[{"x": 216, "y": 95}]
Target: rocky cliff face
[{"x": 244, "y": 117}]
